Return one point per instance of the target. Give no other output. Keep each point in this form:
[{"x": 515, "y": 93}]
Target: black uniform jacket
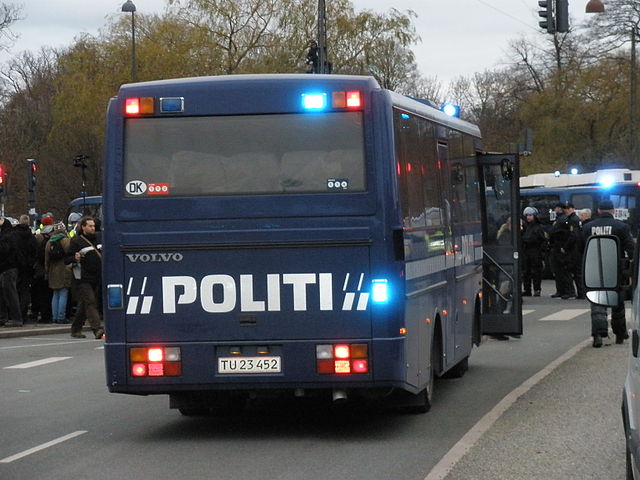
[{"x": 605, "y": 224}]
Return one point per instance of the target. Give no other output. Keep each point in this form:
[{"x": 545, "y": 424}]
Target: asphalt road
[{"x": 59, "y": 422}]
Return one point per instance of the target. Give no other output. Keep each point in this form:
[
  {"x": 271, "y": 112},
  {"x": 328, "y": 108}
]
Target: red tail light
[
  {"x": 155, "y": 362},
  {"x": 342, "y": 358}
]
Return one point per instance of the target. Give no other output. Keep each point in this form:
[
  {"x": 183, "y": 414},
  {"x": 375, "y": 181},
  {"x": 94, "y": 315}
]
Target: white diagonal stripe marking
[
  {"x": 563, "y": 315},
  {"x": 37, "y": 363},
  {"x": 20, "y": 455}
]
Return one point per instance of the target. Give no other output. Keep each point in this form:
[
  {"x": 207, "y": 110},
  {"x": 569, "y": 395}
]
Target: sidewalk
[
  {"x": 568, "y": 426},
  {"x": 31, "y": 329}
]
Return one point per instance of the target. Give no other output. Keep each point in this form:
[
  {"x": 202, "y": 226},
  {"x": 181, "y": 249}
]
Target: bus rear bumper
[{"x": 200, "y": 365}]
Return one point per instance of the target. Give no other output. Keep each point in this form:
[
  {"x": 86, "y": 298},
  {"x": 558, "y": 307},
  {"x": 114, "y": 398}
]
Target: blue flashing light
[
  {"x": 404, "y": 116},
  {"x": 380, "y": 290},
  {"x": 314, "y": 101},
  {"x": 451, "y": 110},
  {"x": 172, "y": 104},
  {"x": 607, "y": 181},
  {"x": 573, "y": 171},
  {"x": 556, "y": 173},
  {"x": 114, "y": 297}
]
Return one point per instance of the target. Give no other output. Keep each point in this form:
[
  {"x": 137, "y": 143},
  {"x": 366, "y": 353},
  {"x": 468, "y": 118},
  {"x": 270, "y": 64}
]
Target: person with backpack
[{"x": 58, "y": 274}]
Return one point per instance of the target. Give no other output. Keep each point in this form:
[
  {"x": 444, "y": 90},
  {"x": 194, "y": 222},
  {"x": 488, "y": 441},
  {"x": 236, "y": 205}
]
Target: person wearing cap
[
  {"x": 72, "y": 223},
  {"x": 605, "y": 224},
  {"x": 534, "y": 240},
  {"x": 558, "y": 237},
  {"x": 574, "y": 261},
  {"x": 46, "y": 221},
  {"x": 58, "y": 274}
]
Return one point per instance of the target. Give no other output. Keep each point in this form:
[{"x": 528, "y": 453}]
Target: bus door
[
  {"x": 499, "y": 185},
  {"x": 443, "y": 159}
]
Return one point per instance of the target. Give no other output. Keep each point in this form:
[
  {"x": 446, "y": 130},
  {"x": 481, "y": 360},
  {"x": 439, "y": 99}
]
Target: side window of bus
[
  {"x": 464, "y": 180},
  {"x": 418, "y": 185},
  {"x": 625, "y": 208},
  {"x": 583, "y": 200}
]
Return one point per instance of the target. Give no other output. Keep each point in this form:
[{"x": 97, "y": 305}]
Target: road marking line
[
  {"x": 527, "y": 312},
  {"x": 563, "y": 315},
  {"x": 453, "y": 456},
  {"x": 20, "y": 455},
  {"x": 37, "y": 363}
]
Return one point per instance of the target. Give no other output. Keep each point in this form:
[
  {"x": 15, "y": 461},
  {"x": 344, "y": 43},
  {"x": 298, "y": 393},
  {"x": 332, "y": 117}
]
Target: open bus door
[{"x": 501, "y": 299}]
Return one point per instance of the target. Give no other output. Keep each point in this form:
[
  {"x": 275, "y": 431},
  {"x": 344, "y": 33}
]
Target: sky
[{"x": 459, "y": 37}]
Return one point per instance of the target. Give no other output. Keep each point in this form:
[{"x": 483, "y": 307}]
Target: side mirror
[{"x": 601, "y": 270}]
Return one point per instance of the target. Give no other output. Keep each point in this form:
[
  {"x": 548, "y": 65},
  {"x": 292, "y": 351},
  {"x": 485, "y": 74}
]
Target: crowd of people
[
  {"x": 563, "y": 244},
  {"x": 52, "y": 274}
]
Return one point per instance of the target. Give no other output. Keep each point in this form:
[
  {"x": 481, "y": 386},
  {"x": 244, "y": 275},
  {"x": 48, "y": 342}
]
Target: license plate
[{"x": 249, "y": 365}]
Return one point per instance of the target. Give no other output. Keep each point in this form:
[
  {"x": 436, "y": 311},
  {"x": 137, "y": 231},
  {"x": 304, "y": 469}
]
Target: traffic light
[
  {"x": 31, "y": 175},
  {"x": 2, "y": 189},
  {"x": 549, "y": 22},
  {"x": 562, "y": 16}
]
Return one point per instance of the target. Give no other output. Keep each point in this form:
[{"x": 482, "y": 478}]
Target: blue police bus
[
  {"x": 301, "y": 235},
  {"x": 584, "y": 190},
  {"x": 89, "y": 205}
]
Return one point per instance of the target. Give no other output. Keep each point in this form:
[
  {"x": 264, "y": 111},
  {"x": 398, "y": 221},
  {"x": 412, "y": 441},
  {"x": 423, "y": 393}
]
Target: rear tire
[{"x": 422, "y": 401}]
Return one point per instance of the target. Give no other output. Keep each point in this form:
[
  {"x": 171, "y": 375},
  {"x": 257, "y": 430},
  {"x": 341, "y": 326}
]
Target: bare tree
[{"x": 9, "y": 14}]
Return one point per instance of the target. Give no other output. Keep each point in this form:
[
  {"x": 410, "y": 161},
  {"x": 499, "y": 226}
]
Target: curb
[{"x": 30, "y": 330}]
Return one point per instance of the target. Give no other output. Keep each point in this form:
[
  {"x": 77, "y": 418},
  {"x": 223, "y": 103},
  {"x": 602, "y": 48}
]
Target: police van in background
[{"x": 91, "y": 206}]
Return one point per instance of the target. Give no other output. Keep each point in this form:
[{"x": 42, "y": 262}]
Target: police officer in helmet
[{"x": 605, "y": 224}]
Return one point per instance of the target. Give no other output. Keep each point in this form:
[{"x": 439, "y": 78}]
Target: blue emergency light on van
[
  {"x": 380, "y": 290},
  {"x": 172, "y": 104},
  {"x": 314, "y": 101}
]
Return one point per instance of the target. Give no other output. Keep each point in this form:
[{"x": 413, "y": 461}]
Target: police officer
[
  {"x": 534, "y": 241},
  {"x": 574, "y": 263},
  {"x": 605, "y": 224},
  {"x": 562, "y": 256}
]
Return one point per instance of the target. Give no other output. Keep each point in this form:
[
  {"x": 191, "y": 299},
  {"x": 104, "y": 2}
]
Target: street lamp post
[
  {"x": 596, "y": 6},
  {"x": 80, "y": 161},
  {"x": 129, "y": 6},
  {"x": 322, "y": 37},
  {"x": 633, "y": 100}
]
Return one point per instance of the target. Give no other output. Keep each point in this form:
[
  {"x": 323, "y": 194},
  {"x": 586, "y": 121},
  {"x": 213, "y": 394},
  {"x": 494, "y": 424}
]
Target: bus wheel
[{"x": 422, "y": 401}]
